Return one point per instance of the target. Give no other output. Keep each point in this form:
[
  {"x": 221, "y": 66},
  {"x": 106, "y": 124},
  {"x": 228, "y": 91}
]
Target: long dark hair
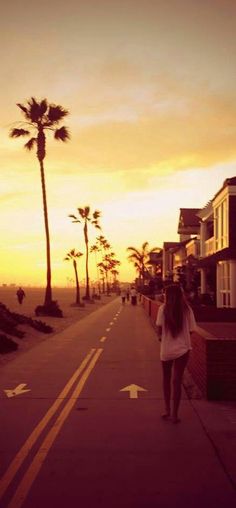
[{"x": 174, "y": 309}]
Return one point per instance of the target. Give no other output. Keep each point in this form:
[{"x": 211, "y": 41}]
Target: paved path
[{"x": 75, "y": 439}]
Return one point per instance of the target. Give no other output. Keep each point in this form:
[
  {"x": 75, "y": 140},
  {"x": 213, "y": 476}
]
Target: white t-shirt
[{"x": 174, "y": 347}]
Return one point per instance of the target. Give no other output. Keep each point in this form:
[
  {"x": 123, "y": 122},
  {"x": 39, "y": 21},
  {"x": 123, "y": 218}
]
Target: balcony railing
[
  {"x": 209, "y": 246},
  {"x": 193, "y": 248}
]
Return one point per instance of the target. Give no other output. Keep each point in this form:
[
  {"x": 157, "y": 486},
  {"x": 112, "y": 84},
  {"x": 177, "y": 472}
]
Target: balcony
[
  {"x": 193, "y": 248},
  {"x": 209, "y": 246}
]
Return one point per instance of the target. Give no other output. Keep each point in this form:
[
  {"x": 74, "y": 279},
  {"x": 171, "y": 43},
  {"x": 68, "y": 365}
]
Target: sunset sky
[{"x": 150, "y": 86}]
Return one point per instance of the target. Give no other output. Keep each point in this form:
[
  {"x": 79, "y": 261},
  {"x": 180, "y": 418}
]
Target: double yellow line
[{"x": 25, "y": 484}]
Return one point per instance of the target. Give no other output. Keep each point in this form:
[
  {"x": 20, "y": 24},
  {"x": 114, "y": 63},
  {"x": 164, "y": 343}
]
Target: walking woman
[{"x": 175, "y": 322}]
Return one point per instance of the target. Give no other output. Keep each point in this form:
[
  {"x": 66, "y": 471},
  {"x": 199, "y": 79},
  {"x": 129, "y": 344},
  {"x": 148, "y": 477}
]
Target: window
[
  {"x": 224, "y": 289},
  {"x": 221, "y": 225}
]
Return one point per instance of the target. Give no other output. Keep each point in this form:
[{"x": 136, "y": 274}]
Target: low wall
[
  {"x": 214, "y": 314},
  {"x": 212, "y": 362}
]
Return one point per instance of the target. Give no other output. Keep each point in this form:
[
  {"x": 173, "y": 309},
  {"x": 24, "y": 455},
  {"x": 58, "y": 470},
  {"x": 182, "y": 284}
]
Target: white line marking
[
  {"x": 36, "y": 464},
  {"x": 111, "y": 323},
  {"x": 31, "y": 440},
  {"x": 107, "y": 329},
  {"x": 17, "y": 391},
  {"x": 103, "y": 339}
]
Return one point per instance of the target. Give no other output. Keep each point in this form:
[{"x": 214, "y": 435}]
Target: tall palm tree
[
  {"x": 72, "y": 255},
  {"x": 95, "y": 249},
  {"x": 40, "y": 116},
  {"x": 140, "y": 258},
  {"x": 101, "y": 240},
  {"x": 85, "y": 217}
]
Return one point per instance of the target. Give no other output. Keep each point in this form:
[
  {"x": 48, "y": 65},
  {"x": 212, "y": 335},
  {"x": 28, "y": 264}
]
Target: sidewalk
[{"x": 218, "y": 419}]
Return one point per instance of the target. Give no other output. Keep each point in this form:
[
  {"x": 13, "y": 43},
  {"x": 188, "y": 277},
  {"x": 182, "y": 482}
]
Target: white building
[{"x": 218, "y": 244}]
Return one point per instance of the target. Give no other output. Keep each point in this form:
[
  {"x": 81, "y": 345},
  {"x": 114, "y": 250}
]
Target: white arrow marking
[
  {"x": 17, "y": 391},
  {"x": 133, "y": 390},
  {"x": 103, "y": 339}
]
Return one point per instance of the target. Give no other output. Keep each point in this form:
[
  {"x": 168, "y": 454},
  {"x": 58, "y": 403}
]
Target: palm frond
[
  {"x": 134, "y": 256},
  {"x": 30, "y": 144},
  {"x": 34, "y": 110},
  {"x": 43, "y": 107},
  {"x": 17, "y": 133},
  {"x": 81, "y": 212},
  {"x": 62, "y": 134},
  {"x": 134, "y": 250},
  {"x": 96, "y": 214},
  {"x": 144, "y": 246},
  {"x": 74, "y": 217},
  {"x": 24, "y": 110},
  {"x": 56, "y": 113}
]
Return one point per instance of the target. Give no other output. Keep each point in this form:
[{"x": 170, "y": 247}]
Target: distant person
[
  {"x": 127, "y": 294},
  {"x": 175, "y": 322},
  {"x": 133, "y": 294},
  {"x": 123, "y": 295},
  {"x": 20, "y": 295}
]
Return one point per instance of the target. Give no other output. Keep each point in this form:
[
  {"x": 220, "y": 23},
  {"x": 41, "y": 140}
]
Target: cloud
[
  {"x": 169, "y": 131},
  {"x": 125, "y": 118}
]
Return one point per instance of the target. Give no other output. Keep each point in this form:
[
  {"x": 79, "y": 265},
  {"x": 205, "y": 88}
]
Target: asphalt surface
[{"x": 77, "y": 439}]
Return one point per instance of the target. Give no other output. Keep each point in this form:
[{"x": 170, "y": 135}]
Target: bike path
[{"x": 111, "y": 450}]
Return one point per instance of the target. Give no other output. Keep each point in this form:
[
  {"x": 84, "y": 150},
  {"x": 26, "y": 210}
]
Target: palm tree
[
  {"x": 101, "y": 240},
  {"x": 140, "y": 258},
  {"x": 95, "y": 249},
  {"x": 107, "y": 265},
  {"x": 72, "y": 255},
  {"x": 85, "y": 217},
  {"x": 40, "y": 116}
]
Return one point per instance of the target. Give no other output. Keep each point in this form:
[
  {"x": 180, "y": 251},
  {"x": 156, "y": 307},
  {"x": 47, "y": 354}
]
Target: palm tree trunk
[
  {"x": 107, "y": 283},
  {"x": 87, "y": 294},
  {"x": 96, "y": 261},
  {"x": 48, "y": 292},
  {"x": 77, "y": 283}
]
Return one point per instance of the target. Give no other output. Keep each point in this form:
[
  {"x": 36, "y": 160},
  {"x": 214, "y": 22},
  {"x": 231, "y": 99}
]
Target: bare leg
[
  {"x": 166, "y": 370},
  {"x": 179, "y": 366}
]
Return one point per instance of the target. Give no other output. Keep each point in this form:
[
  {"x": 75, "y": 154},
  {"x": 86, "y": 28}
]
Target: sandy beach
[{"x": 34, "y": 297}]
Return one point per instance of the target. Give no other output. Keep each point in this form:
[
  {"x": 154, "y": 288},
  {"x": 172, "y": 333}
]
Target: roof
[
  {"x": 188, "y": 217},
  {"x": 180, "y": 245},
  {"x": 155, "y": 257},
  {"x": 206, "y": 211},
  {"x": 169, "y": 245},
  {"x": 221, "y": 255},
  {"x": 227, "y": 182}
]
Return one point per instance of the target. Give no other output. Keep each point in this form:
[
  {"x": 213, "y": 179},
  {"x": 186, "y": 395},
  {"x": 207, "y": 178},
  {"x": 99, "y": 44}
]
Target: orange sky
[{"x": 150, "y": 86}]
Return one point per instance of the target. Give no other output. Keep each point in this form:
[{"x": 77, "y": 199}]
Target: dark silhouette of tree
[
  {"x": 95, "y": 249},
  {"x": 72, "y": 255},
  {"x": 100, "y": 241},
  {"x": 41, "y": 117},
  {"x": 140, "y": 259},
  {"x": 84, "y": 217}
]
